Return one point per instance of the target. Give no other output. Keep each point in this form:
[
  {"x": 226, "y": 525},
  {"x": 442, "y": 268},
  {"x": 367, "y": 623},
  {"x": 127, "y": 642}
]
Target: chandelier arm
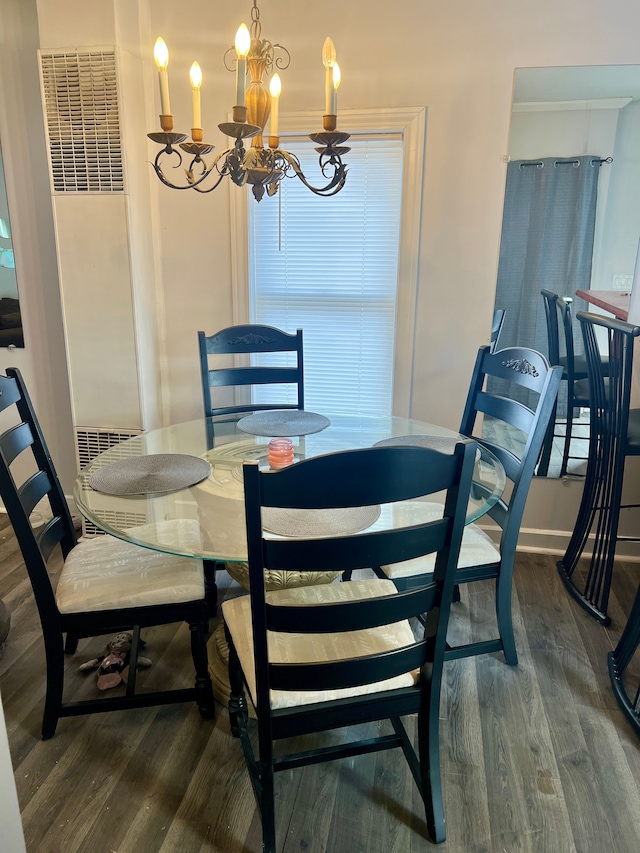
[
  {"x": 158, "y": 168},
  {"x": 281, "y": 62},
  {"x": 198, "y": 188},
  {"x": 326, "y": 159},
  {"x": 334, "y": 186}
]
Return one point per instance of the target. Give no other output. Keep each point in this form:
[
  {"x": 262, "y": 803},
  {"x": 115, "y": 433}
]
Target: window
[
  {"x": 330, "y": 267},
  {"x": 347, "y": 267}
]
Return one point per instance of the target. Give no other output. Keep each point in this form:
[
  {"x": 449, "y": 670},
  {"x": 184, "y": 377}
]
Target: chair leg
[
  {"x": 237, "y": 699},
  {"x": 429, "y": 753},
  {"x": 210, "y": 585},
  {"x": 204, "y": 688},
  {"x": 268, "y": 810},
  {"x": 504, "y": 614},
  {"x": 70, "y": 644},
  {"x": 55, "y": 683}
]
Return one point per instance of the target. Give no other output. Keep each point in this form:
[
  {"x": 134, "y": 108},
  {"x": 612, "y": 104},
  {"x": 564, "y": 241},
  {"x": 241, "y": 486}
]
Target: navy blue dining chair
[
  {"x": 515, "y": 436},
  {"x": 106, "y": 585},
  {"x": 322, "y": 657}
]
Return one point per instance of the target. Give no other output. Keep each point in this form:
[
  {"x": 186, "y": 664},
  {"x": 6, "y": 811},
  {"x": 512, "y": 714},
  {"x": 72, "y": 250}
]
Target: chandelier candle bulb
[
  {"x": 161, "y": 56},
  {"x": 243, "y": 43},
  {"x": 329, "y": 60},
  {"x": 275, "y": 88},
  {"x": 196, "y": 81},
  {"x": 280, "y": 452}
]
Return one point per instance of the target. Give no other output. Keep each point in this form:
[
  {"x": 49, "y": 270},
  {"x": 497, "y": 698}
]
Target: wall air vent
[
  {"x": 82, "y": 120},
  {"x": 90, "y": 443}
]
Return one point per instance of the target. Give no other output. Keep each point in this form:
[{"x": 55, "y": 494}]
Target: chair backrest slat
[
  {"x": 349, "y": 673},
  {"x": 252, "y": 376},
  {"x": 358, "y": 488},
  {"x": 33, "y": 490},
  {"x": 354, "y": 615},
  {"x": 14, "y": 441},
  {"x": 249, "y": 340},
  {"x": 510, "y": 411},
  {"x": 50, "y": 535},
  {"x": 352, "y": 552}
]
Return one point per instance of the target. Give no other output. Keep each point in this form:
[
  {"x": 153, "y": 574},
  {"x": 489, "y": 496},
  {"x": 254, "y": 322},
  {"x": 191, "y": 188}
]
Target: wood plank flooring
[{"x": 536, "y": 758}]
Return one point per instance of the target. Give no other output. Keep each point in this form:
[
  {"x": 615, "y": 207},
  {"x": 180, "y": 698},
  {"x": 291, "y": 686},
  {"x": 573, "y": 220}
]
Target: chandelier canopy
[{"x": 262, "y": 166}]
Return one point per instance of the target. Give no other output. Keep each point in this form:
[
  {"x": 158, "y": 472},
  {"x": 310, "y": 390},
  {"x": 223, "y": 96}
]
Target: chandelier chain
[{"x": 256, "y": 26}]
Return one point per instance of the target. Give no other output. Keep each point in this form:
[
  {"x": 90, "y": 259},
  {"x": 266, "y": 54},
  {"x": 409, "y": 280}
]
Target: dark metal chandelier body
[{"x": 263, "y": 167}]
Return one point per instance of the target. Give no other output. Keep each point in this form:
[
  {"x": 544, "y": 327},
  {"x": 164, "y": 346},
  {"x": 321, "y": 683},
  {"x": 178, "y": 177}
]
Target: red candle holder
[{"x": 280, "y": 452}]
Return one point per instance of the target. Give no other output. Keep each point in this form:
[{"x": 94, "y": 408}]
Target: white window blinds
[{"x": 334, "y": 276}]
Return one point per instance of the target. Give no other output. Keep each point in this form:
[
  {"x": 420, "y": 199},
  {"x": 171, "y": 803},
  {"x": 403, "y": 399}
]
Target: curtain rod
[{"x": 540, "y": 165}]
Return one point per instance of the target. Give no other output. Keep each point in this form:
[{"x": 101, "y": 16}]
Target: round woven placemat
[
  {"x": 144, "y": 475},
  {"x": 283, "y": 423},
  {"x": 443, "y": 443},
  {"x": 316, "y": 523}
]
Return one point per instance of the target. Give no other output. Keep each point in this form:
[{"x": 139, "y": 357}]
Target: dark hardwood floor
[{"x": 534, "y": 758}]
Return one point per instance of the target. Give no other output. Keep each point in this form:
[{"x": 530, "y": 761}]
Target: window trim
[{"x": 410, "y": 122}]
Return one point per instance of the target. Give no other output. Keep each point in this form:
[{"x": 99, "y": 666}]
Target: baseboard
[{"x": 556, "y": 541}]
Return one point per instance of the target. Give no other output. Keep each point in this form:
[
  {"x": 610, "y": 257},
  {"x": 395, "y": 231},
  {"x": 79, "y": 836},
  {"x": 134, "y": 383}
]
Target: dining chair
[
  {"x": 614, "y": 435},
  {"x": 105, "y": 585},
  {"x": 515, "y": 437},
  {"x": 574, "y": 372},
  {"x": 250, "y": 340},
  {"x": 496, "y": 328},
  {"x": 318, "y": 658}
]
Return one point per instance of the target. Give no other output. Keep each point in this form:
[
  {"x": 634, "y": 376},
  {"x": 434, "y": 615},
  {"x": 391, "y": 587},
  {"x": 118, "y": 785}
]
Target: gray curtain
[{"x": 547, "y": 242}]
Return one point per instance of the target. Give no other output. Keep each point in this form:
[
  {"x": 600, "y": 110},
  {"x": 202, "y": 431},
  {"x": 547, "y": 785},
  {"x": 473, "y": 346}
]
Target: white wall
[
  {"x": 458, "y": 59},
  {"x": 622, "y": 215},
  {"x": 12, "y": 833},
  {"x": 43, "y": 359}
]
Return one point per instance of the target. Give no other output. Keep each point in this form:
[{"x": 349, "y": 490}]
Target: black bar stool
[
  {"x": 614, "y": 435},
  {"x": 619, "y": 660}
]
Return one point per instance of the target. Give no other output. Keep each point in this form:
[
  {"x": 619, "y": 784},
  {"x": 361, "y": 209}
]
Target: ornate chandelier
[{"x": 263, "y": 167}]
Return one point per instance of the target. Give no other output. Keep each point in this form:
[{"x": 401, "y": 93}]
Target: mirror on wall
[
  {"x": 571, "y": 217},
  {"x": 10, "y": 317}
]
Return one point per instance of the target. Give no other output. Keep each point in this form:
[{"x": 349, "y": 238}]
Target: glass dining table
[{"x": 206, "y": 520}]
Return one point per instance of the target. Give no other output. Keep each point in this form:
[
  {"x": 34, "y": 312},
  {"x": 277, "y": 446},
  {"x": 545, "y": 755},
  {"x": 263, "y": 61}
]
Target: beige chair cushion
[
  {"x": 477, "y": 549},
  {"x": 106, "y": 573},
  {"x": 299, "y": 648}
]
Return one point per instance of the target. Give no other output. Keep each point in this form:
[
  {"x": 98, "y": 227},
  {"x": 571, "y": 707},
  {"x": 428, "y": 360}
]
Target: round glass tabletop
[{"x": 207, "y": 519}]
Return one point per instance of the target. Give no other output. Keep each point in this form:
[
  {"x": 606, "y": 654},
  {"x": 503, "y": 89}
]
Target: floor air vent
[
  {"x": 92, "y": 442},
  {"x": 82, "y": 120}
]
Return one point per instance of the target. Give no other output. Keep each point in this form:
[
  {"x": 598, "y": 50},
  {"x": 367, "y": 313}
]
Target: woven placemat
[
  {"x": 283, "y": 423},
  {"x": 316, "y": 523},
  {"x": 144, "y": 475}
]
